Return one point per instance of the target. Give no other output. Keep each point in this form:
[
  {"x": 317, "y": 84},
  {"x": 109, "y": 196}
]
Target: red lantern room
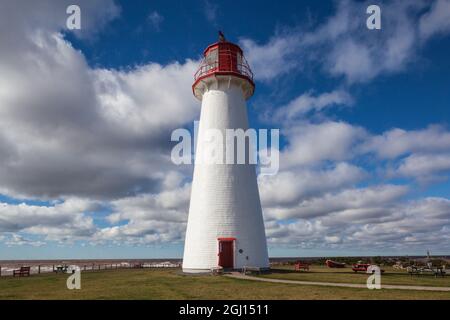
[{"x": 223, "y": 59}]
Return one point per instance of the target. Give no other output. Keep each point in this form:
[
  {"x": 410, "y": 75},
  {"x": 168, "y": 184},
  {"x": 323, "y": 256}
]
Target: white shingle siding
[{"x": 224, "y": 198}]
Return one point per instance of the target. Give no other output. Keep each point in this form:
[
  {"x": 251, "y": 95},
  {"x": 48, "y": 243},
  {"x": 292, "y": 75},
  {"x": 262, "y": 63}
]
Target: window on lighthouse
[
  {"x": 239, "y": 62},
  {"x": 211, "y": 60}
]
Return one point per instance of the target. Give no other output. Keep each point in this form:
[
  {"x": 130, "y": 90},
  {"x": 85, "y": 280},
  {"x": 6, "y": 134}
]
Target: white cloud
[
  {"x": 425, "y": 168},
  {"x": 435, "y": 208},
  {"x": 150, "y": 218},
  {"x": 342, "y": 202},
  {"x": 147, "y": 99},
  {"x": 315, "y": 201},
  {"x": 105, "y": 135},
  {"x": 333, "y": 239},
  {"x": 168, "y": 205},
  {"x": 436, "y": 20},
  {"x": 397, "y": 142},
  {"x": 359, "y": 54},
  {"x": 289, "y": 187},
  {"x": 414, "y": 225},
  {"x": 419, "y": 225},
  {"x": 63, "y": 221},
  {"x": 342, "y": 46},
  {"x": 356, "y": 204},
  {"x": 18, "y": 240},
  {"x": 308, "y": 102},
  {"x": 352, "y": 60},
  {"x": 141, "y": 233},
  {"x": 20, "y": 18},
  {"x": 272, "y": 59},
  {"x": 311, "y": 144},
  {"x": 69, "y": 130},
  {"x": 300, "y": 232}
]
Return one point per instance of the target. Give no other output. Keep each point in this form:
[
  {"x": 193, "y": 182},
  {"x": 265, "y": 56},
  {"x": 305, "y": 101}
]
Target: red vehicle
[
  {"x": 301, "y": 266},
  {"x": 334, "y": 264},
  {"x": 362, "y": 267}
]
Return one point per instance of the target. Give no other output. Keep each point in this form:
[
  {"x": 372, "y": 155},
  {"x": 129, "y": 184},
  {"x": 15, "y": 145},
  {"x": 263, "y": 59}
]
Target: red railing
[{"x": 225, "y": 62}]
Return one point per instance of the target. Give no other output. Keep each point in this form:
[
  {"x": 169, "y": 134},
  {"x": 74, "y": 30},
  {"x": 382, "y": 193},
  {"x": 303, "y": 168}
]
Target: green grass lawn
[
  {"x": 170, "y": 284},
  {"x": 346, "y": 275}
]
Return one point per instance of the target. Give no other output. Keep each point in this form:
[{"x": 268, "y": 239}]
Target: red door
[{"x": 226, "y": 254}]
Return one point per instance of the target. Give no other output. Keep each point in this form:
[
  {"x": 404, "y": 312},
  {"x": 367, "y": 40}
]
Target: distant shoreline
[{"x": 143, "y": 260}]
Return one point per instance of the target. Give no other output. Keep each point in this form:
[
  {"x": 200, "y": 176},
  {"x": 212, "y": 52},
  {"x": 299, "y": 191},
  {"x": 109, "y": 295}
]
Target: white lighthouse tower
[{"x": 225, "y": 226}]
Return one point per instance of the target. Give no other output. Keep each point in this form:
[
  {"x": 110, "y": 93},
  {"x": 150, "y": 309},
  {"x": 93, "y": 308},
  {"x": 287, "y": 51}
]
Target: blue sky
[{"x": 87, "y": 116}]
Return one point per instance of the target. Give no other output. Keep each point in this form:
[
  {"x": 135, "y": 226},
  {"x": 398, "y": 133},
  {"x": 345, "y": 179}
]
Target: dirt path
[{"x": 236, "y": 275}]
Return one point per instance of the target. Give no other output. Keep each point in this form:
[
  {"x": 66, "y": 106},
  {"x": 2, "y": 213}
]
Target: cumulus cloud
[
  {"x": 397, "y": 142},
  {"x": 436, "y": 20},
  {"x": 347, "y": 48},
  {"x": 102, "y": 139},
  {"x": 301, "y": 233},
  {"x": 272, "y": 59},
  {"x": 20, "y": 18},
  {"x": 290, "y": 187},
  {"x": 348, "y": 202},
  {"x": 425, "y": 168},
  {"x": 316, "y": 201},
  {"x": 418, "y": 225},
  {"x": 19, "y": 240},
  {"x": 72, "y": 132},
  {"x": 308, "y": 102},
  {"x": 66, "y": 221},
  {"x": 375, "y": 225},
  {"x": 311, "y": 144},
  {"x": 69, "y": 130},
  {"x": 141, "y": 233},
  {"x": 352, "y": 60},
  {"x": 149, "y": 218},
  {"x": 169, "y": 206}
]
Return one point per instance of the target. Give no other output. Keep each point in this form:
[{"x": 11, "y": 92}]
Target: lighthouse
[{"x": 225, "y": 224}]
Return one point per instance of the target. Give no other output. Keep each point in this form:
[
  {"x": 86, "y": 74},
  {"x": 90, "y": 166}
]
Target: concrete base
[
  {"x": 208, "y": 271},
  {"x": 196, "y": 271}
]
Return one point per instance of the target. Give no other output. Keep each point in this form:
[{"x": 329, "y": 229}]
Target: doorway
[{"x": 226, "y": 252}]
